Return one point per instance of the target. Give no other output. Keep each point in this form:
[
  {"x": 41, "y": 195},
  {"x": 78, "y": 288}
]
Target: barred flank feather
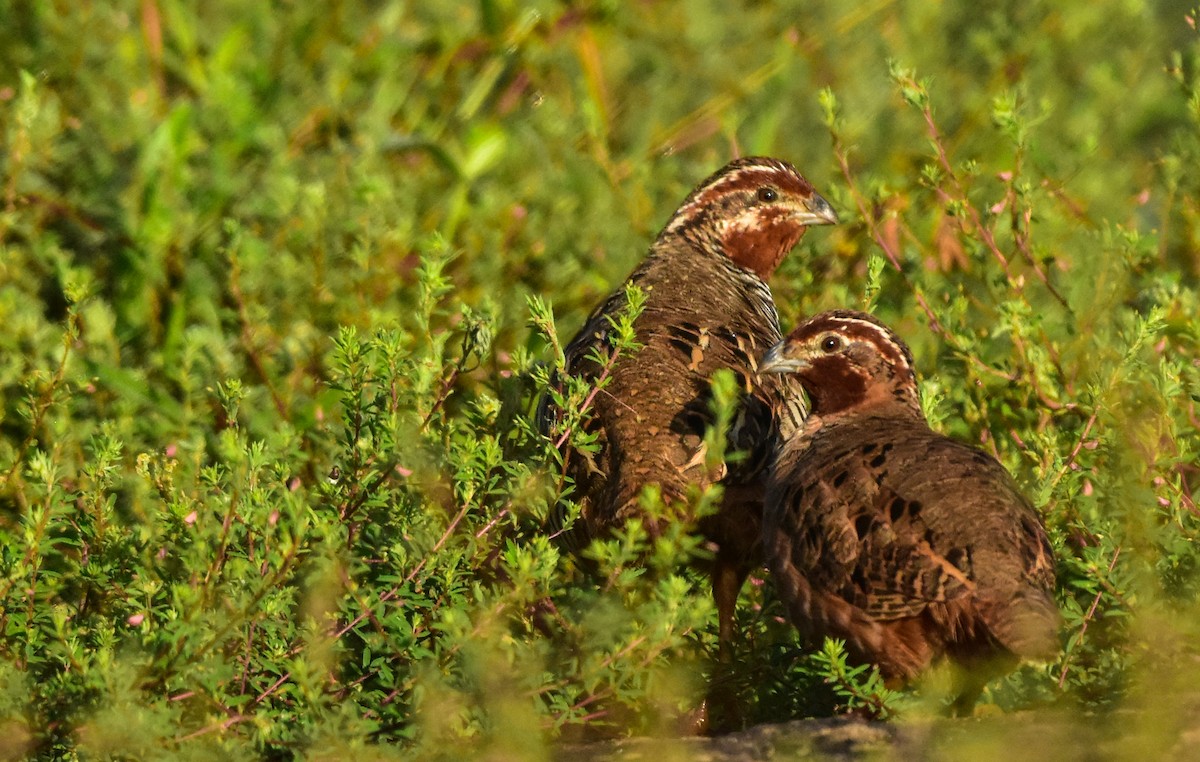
[{"x": 905, "y": 543}]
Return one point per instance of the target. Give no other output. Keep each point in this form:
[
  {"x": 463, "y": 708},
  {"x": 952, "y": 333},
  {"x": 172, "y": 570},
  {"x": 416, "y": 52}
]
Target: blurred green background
[{"x": 267, "y": 483}]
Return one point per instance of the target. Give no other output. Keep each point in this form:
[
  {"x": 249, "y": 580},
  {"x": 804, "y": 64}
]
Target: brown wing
[
  {"x": 856, "y": 535},
  {"x": 893, "y": 518},
  {"x": 650, "y": 418}
]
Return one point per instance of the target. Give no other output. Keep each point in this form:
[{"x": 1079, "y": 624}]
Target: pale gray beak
[
  {"x": 775, "y": 361},
  {"x": 817, "y": 211}
]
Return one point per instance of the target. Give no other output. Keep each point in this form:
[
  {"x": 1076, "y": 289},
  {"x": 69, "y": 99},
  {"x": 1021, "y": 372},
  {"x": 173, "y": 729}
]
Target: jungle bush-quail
[
  {"x": 878, "y": 530},
  {"x": 707, "y": 307}
]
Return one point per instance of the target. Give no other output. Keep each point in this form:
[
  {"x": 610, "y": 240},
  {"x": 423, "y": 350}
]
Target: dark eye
[
  {"x": 767, "y": 195},
  {"x": 831, "y": 343}
]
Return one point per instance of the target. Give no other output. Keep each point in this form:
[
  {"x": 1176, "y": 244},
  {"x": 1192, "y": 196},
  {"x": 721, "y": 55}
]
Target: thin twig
[
  {"x": 45, "y": 401},
  {"x": 412, "y": 574},
  {"x": 247, "y": 336},
  {"x": 985, "y": 233},
  {"x": 274, "y": 687},
  {"x": 869, "y": 220},
  {"x": 1091, "y": 612},
  {"x": 216, "y": 726}
]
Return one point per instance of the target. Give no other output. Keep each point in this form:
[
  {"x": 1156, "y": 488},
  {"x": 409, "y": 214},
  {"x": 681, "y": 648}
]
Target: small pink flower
[
  {"x": 190, "y": 518},
  {"x": 136, "y": 619},
  {"x": 294, "y": 484},
  {"x": 405, "y": 472},
  {"x": 1005, "y": 176},
  {"x": 1087, "y": 489},
  {"x": 273, "y": 519},
  {"x": 171, "y": 450}
]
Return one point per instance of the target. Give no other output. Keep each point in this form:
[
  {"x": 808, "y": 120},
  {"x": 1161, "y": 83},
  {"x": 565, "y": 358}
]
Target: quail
[
  {"x": 909, "y": 545},
  {"x": 707, "y": 307}
]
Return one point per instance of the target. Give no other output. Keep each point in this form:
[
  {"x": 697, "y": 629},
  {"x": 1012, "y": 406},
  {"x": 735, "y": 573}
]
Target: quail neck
[
  {"x": 849, "y": 364},
  {"x": 753, "y": 211}
]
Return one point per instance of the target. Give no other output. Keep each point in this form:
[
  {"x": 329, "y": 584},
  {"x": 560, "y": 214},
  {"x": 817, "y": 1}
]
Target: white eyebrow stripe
[
  {"x": 888, "y": 336},
  {"x": 768, "y": 170}
]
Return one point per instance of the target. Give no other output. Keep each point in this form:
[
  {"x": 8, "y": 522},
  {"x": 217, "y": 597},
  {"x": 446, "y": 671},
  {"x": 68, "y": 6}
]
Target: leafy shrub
[{"x": 279, "y": 285}]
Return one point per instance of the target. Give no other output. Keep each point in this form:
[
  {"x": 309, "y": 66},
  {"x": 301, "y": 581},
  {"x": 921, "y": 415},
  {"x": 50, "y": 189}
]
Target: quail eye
[
  {"x": 767, "y": 195},
  {"x": 831, "y": 344}
]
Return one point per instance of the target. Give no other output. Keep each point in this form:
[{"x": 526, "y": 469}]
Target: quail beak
[
  {"x": 776, "y": 360},
  {"x": 816, "y": 211}
]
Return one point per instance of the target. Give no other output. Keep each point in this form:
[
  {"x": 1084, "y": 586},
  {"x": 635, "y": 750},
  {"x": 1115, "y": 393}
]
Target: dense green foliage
[{"x": 279, "y": 282}]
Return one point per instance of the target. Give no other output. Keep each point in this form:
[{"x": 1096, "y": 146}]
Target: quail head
[
  {"x": 707, "y": 307},
  {"x": 905, "y": 543}
]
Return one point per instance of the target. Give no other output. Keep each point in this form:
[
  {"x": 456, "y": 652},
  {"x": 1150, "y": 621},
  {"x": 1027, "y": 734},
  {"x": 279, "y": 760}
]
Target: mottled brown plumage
[
  {"x": 878, "y": 530},
  {"x": 707, "y": 307}
]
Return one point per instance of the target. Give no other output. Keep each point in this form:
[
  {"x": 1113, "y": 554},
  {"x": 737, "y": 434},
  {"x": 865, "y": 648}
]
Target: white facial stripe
[
  {"x": 747, "y": 220},
  {"x": 885, "y": 337},
  {"x": 768, "y": 172}
]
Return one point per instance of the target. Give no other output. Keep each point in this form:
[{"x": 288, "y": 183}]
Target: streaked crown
[
  {"x": 753, "y": 210},
  {"x": 847, "y": 359}
]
